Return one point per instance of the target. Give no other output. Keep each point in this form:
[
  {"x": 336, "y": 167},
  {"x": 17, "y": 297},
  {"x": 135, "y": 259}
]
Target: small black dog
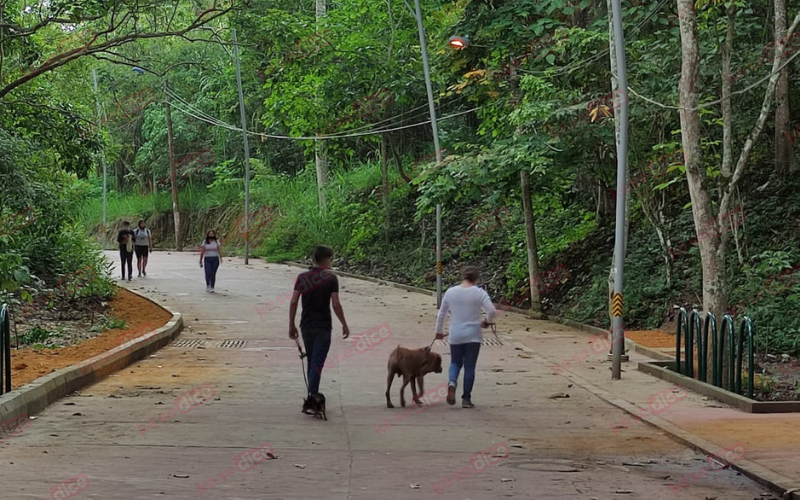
[{"x": 315, "y": 405}]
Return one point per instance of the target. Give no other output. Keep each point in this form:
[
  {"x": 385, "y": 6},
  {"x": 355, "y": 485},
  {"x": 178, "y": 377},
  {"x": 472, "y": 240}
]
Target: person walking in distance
[
  {"x": 144, "y": 245},
  {"x": 318, "y": 287},
  {"x": 464, "y": 302},
  {"x": 211, "y": 251},
  {"x": 125, "y": 240}
]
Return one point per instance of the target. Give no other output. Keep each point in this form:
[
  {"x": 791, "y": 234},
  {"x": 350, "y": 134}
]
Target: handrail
[
  {"x": 683, "y": 321},
  {"x": 747, "y": 325},
  {"x": 723, "y": 341},
  {"x": 716, "y": 364},
  {"x": 5, "y": 350},
  {"x": 702, "y": 349}
]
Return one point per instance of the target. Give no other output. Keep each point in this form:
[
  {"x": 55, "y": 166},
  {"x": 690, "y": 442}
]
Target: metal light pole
[
  {"x": 435, "y": 128},
  {"x": 246, "y": 153},
  {"x": 618, "y": 335},
  {"x": 102, "y": 161}
]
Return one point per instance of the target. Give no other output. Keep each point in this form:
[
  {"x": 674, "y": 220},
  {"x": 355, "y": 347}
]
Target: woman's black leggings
[{"x": 126, "y": 256}]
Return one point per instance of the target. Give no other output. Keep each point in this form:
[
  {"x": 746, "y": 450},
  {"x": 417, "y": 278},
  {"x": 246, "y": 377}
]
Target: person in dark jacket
[{"x": 125, "y": 240}]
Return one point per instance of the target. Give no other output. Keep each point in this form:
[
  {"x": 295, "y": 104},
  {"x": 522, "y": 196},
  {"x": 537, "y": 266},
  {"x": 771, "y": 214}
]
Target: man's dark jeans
[
  {"x": 126, "y": 258},
  {"x": 317, "y": 342}
]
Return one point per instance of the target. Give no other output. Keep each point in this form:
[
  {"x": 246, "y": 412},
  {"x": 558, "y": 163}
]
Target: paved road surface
[{"x": 559, "y": 447}]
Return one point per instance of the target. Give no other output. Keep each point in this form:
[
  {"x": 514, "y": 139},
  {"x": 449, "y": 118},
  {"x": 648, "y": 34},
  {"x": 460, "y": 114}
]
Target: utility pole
[
  {"x": 435, "y": 130},
  {"x": 617, "y": 333},
  {"x": 246, "y": 153},
  {"x": 102, "y": 162},
  {"x": 320, "y": 153},
  {"x": 176, "y": 214}
]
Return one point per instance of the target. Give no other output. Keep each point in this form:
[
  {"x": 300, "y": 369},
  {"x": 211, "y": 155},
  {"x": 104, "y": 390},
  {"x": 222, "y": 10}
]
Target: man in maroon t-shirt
[{"x": 319, "y": 287}]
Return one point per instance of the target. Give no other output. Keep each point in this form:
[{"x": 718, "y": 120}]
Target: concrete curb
[
  {"x": 35, "y": 396},
  {"x": 407, "y": 288},
  {"x": 629, "y": 344},
  {"x": 749, "y": 468}
]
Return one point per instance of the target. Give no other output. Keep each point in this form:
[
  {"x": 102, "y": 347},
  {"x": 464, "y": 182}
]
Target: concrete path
[{"x": 236, "y": 381}]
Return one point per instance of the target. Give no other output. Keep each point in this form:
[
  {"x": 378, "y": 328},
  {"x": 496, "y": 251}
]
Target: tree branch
[
  {"x": 744, "y": 156},
  {"x": 63, "y": 59}
]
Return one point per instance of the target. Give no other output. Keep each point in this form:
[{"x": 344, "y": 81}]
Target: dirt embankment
[{"x": 28, "y": 364}]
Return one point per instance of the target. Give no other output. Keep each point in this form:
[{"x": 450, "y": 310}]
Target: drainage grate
[
  {"x": 189, "y": 343},
  {"x": 492, "y": 342},
  {"x": 232, "y": 344}
]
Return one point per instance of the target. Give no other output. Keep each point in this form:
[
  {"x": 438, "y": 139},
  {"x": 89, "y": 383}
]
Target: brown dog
[{"x": 412, "y": 364}]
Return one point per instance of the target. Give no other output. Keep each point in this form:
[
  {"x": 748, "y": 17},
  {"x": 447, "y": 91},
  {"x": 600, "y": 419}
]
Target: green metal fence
[
  {"x": 689, "y": 326},
  {"x": 5, "y": 350}
]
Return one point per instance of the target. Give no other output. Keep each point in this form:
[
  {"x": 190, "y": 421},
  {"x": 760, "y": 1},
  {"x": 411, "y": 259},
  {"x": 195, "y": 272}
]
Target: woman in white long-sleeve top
[{"x": 464, "y": 302}]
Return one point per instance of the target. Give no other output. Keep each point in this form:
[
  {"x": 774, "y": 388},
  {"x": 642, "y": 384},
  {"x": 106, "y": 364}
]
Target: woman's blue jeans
[
  {"x": 465, "y": 355},
  {"x": 211, "y": 264}
]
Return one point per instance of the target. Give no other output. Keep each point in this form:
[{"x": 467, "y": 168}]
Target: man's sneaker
[
  {"x": 306, "y": 406},
  {"x": 467, "y": 403},
  {"x": 451, "y": 394},
  {"x": 208, "y": 288}
]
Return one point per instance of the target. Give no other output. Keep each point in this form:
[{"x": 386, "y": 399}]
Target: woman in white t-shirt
[
  {"x": 211, "y": 255},
  {"x": 464, "y": 302},
  {"x": 143, "y": 242}
]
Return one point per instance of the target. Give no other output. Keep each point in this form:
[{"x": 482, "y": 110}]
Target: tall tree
[{"x": 785, "y": 159}]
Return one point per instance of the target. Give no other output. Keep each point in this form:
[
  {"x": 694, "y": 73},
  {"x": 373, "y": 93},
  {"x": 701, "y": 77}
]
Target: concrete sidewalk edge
[
  {"x": 35, "y": 396},
  {"x": 629, "y": 344},
  {"x": 749, "y": 468}
]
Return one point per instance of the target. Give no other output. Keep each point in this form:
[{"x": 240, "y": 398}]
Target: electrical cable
[
  {"x": 219, "y": 123},
  {"x": 582, "y": 64},
  {"x": 350, "y": 133}
]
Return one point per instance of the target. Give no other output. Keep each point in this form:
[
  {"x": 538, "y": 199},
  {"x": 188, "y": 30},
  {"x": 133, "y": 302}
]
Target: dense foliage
[{"x": 532, "y": 93}]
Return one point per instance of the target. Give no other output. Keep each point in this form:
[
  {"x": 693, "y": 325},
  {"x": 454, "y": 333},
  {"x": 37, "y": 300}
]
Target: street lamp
[
  {"x": 617, "y": 333},
  {"x": 459, "y": 42},
  {"x": 435, "y": 130},
  {"x": 102, "y": 160}
]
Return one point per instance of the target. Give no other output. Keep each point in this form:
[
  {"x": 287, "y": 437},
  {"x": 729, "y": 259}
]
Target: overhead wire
[
  {"x": 580, "y": 64},
  {"x": 200, "y": 115}
]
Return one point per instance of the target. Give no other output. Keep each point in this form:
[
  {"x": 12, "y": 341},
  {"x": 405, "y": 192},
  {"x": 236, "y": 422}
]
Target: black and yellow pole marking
[
  {"x": 439, "y": 267},
  {"x": 616, "y": 305}
]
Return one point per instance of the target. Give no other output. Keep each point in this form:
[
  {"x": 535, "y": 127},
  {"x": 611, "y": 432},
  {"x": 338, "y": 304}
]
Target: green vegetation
[{"x": 530, "y": 102}]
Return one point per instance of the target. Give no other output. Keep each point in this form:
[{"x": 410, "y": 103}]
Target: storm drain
[
  {"x": 189, "y": 343},
  {"x": 491, "y": 342},
  {"x": 232, "y": 344}
]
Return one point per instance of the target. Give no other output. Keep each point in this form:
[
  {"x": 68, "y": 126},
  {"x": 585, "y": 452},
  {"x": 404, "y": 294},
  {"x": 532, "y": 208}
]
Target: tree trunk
[
  {"x": 320, "y": 151},
  {"x": 535, "y": 277},
  {"x": 176, "y": 214},
  {"x": 385, "y": 190},
  {"x": 535, "y": 280},
  {"x": 711, "y": 252},
  {"x": 785, "y": 160}
]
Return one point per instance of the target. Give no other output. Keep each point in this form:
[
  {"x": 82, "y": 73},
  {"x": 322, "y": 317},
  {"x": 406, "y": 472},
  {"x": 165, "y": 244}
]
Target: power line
[{"x": 216, "y": 122}]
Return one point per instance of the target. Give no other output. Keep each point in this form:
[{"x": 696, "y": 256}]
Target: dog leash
[{"x": 302, "y": 363}]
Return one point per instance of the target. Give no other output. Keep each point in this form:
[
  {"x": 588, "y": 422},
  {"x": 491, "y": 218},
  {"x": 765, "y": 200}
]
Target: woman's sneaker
[
  {"x": 451, "y": 394},
  {"x": 467, "y": 403}
]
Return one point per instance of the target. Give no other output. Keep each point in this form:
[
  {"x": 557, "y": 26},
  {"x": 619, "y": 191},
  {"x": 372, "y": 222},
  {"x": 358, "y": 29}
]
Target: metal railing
[
  {"x": 689, "y": 325},
  {"x": 5, "y": 350}
]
